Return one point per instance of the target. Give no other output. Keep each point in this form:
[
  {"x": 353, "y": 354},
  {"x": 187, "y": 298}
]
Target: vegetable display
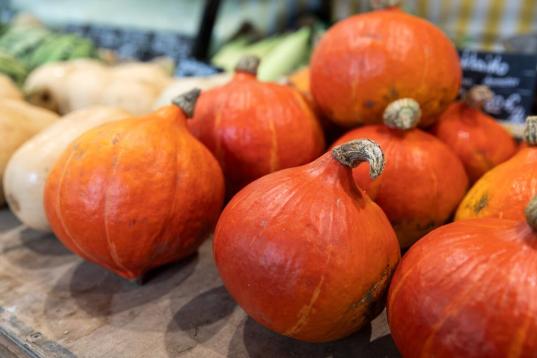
[
  {"x": 369, "y": 60},
  {"x": 468, "y": 290},
  {"x": 131, "y": 86},
  {"x": 504, "y": 191},
  {"x": 19, "y": 121},
  {"x": 34, "y": 45},
  {"x": 254, "y": 128},
  {"x": 182, "y": 85},
  {"x": 13, "y": 68},
  {"x": 136, "y": 193},
  {"x": 8, "y": 89},
  {"x": 304, "y": 251},
  {"x": 28, "y": 168},
  {"x": 423, "y": 181},
  {"x": 480, "y": 142}
]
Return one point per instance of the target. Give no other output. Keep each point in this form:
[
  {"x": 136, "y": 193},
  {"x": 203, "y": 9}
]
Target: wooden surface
[{"x": 53, "y": 304}]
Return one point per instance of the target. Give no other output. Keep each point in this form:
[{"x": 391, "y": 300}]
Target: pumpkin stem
[
  {"x": 248, "y": 64},
  {"x": 531, "y": 213},
  {"x": 476, "y": 96},
  {"x": 530, "y": 131},
  {"x": 402, "y": 114},
  {"x": 384, "y": 4},
  {"x": 357, "y": 151},
  {"x": 187, "y": 101}
]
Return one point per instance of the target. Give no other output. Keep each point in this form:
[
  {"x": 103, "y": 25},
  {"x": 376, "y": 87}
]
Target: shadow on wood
[
  {"x": 255, "y": 341},
  {"x": 99, "y": 293},
  {"x": 34, "y": 250},
  {"x": 198, "y": 320}
]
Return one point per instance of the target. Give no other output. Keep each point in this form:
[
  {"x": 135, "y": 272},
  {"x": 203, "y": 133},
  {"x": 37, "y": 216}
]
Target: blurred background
[{"x": 201, "y": 38}]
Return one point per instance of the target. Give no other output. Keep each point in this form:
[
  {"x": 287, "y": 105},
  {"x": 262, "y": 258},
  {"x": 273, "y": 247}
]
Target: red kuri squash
[
  {"x": 479, "y": 141},
  {"x": 255, "y": 128},
  {"x": 423, "y": 181},
  {"x": 504, "y": 190},
  {"x": 468, "y": 289},
  {"x": 306, "y": 253},
  {"x": 369, "y": 60},
  {"x": 137, "y": 193}
]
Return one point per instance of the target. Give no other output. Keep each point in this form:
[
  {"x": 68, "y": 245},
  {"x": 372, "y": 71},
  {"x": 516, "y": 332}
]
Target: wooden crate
[{"x": 54, "y": 304}]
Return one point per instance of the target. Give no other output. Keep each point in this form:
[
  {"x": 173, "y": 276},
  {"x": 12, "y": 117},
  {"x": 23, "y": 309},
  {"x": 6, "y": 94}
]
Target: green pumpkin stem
[
  {"x": 403, "y": 114},
  {"x": 352, "y": 153},
  {"x": 187, "y": 101},
  {"x": 477, "y": 96}
]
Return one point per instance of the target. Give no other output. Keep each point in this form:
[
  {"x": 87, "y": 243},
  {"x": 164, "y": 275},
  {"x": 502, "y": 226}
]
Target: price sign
[{"x": 510, "y": 76}]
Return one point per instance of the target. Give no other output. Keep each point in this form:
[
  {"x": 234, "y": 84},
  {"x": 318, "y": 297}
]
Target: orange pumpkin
[
  {"x": 468, "y": 290},
  {"x": 301, "y": 81},
  {"x": 480, "y": 142},
  {"x": 423, "y": 182},
  {"x": 255, "y": 128},
  {"x": 137, "y": 193},
  {"x": 306, "y": 253},
  {"x": 504, "y": 191},
  {"x": 369, "y": 60}
]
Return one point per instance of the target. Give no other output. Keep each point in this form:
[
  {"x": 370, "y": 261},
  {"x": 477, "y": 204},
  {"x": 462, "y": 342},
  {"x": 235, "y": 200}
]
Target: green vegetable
[{"x": 288, "y": 55}]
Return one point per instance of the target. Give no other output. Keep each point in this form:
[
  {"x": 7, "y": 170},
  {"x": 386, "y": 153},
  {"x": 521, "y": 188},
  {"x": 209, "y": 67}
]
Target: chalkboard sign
[{"x": 510, "y": 76}]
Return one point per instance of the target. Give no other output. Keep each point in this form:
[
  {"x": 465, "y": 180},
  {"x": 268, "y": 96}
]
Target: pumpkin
[
  {"x": 28, "y": 168},
  {"x": 137, "y": 193},
  {"x": 19, "y": 121},
  {"x": 300, "y": 79},
  {"x": 468, "y": 290},
  {"x": 255, "y": 128},
  {"x": 8, "y": 89},
  {"x": 423, "y": 182},
  {"x": 369, "y": 60},
  {"x": 304, "y": 251},
  {"x": 131, "y": 86},
  {"x": 478, "y": 140},
  {"x": 504, "y": 190}
]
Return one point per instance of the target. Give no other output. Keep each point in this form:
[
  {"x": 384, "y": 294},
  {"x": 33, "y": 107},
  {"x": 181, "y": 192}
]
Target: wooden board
[{"x": 53, "y": 304}]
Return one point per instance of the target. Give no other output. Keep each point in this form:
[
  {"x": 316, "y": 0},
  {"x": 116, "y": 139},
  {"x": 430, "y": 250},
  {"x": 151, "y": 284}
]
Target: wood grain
[{"x": 54, "y": 304}]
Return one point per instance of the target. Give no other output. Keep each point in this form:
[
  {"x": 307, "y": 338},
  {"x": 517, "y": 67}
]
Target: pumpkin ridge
[
  {"x": 401, "y": 281},
  {"x": 305, "y": 311},
  {"x": 519, "y": 337},
  {"x": 59, "y": 205},
  {"x": 112, "y": 171},
  {"x": 455, "y": 306},
  {"x": 111, "y": 246},
  {"x": 273, "y": 147},
  {"x": 173, "y": 197}
]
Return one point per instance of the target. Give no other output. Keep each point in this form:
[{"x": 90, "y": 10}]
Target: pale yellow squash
[
  {"x": 8, "y": 89},
  {"x": 28, "y": 168},
  {"x": 19, "y": 121}
]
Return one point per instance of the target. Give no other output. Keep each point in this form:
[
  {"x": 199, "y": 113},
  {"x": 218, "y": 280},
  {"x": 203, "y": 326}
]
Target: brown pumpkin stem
[
  {"x": 402, "y": 114},
  {"x": 477, "y": 96},
  {"x": 531, "y": 213},
  {"x": 530, "y": 131},
  {"x": 187, "y": 101},
  {"x": 357, "y": 151},
  {"x": 248, "y": 64},
  {"x": 384, "y": 4}
]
